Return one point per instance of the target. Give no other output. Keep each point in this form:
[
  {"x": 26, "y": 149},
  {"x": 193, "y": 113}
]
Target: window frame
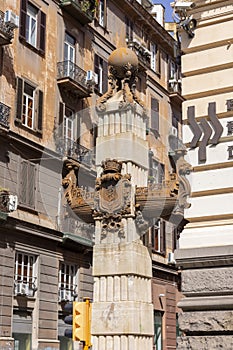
[
  {"x": 102, "y": 13},
  {"x": 37, "y": 113},
  {"x": 39, "y": 45},
  {"x": 101, "y": 69},
  {"x": 158, "y": 237},
  {"x": 156, "y": 327},
  {"x": 155, "y": 58},
  {"x": 30, "y": 277},
  {"x": 69, "y": 286}
]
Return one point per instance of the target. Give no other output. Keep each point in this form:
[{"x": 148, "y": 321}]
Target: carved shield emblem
[{"x": 111, "y": 198}]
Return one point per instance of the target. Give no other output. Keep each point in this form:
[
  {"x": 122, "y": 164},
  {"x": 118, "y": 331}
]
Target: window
[
  {"x": 155, "y": 58},
  {"x": 158, "y": 237},
  {"x": 27, "y": 191},
  {"x": 25, "y": 274},
  {"x": 156, "y": 170},
  {"x": 129, "y": 29},
  {"x": 101, "y": 69},
  {"x": 67, "y": 282},
  {"x": 69, "y": 48},
  {"x": 32, "y": 26},
  {"x": 68, "y": 126},
  {"x": 29, "y": 111},
  {"x": 102, "y": 13},
  {"x": 155, "y": 116},
  {"x": 158, "y": 334},
  {"x": 69, "y": 56}
]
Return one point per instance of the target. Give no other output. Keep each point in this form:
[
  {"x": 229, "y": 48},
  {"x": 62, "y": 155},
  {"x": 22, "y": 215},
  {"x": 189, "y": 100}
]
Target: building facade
[
  {"x": 53, "y": 69},
  {"x": 205, "y": 254}
]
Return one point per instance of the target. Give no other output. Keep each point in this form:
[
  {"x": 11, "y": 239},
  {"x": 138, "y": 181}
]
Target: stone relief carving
[
  {"x": 183, "y": 168},
  {"x": 112, "y": 199},
  {"x": 69, "y": 182}
]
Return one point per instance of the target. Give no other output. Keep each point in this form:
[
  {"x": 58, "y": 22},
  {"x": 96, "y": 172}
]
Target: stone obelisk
[{"x": 122, "y": 310}]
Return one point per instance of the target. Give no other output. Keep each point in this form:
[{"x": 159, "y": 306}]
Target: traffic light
[
  {"x": 68, "y": 319},
  {"x": 81, "y": 322}
]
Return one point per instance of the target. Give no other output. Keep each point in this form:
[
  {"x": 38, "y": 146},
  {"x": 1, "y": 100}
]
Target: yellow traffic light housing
[{"x": 82, "y": 322}]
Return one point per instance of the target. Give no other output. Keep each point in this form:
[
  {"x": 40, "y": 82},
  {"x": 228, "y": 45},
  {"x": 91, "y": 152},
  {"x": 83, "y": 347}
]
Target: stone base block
[
  {"x": 121, "y": 318},
  {"x": 205, "y": 343},
  {"x": 121, "y": 259}
]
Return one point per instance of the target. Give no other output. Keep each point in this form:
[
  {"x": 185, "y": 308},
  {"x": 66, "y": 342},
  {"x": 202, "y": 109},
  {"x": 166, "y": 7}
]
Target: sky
[{"x": 168, "y": 9}]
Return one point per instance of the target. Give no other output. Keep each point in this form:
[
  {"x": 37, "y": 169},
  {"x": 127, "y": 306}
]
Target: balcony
[
  {"x": 4, "y": 115},
  {"x": 174, "y": 89},
  {"x": 6, "y": 31},
  {"x": 72, "y": 149},
  {"x": 144, "y": 55},
  {"x": 73, "y": 78},
  {"x": 81, "y": 10}
]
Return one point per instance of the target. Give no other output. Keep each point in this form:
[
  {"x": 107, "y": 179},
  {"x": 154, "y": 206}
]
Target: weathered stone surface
[
  {"x": 218, "y": 280},
  {"x": 205, "y": 343},
  {"x": 206, "y": 321}
]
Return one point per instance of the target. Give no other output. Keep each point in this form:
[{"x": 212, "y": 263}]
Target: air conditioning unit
[
  {"x": 12, "y": 203},
  {"x": 22, "y": 289},
  {"x": 65, "y": 295},
  {"x": 11, "y": 19},
  {"x": 171, "y": 259},
  {"x": 92, "y": 77},
  {"x": 173, "y": 131}
]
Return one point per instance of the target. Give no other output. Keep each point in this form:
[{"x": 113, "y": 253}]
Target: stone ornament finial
[{"x": 123, "y": 69}]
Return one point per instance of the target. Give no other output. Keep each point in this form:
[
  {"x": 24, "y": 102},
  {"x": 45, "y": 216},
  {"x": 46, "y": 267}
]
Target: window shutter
[
  {"x": 23, "y": 16},
  {"x": 19, "y": 100},
  {"x": 105, "y": 76},
  {"x": 23, "y": 183},
  {"x": 158, "y": 61},
  {"x": 61, "y": 118},
  {"x": 162, "y": 236},
  {"x": 96, "y": 67},
  {"x": 31, "y": 183},
  {"x": 105, "y": 13},
  {"x": 41, "y": 28},
  {"x": 40, "y": 112},
  {"x": 155, "y": 115},
  {"x": 96, "y": 64}
]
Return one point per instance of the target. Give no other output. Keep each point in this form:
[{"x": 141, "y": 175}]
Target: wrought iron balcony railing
[
  {"x": 6, "y": 31},
  {"x": 4, "y": 115},
  {"x": 72, "y": 149},
  {"x": 71, "y": 75},
  {"x": 174, "y": 86},
  {"x": 82, "y": 10}
]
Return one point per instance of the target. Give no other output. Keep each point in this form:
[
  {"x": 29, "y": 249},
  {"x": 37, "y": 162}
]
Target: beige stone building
[
  {"x": 205, "y": 254},
  {"x": 53, "y": 68}
]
